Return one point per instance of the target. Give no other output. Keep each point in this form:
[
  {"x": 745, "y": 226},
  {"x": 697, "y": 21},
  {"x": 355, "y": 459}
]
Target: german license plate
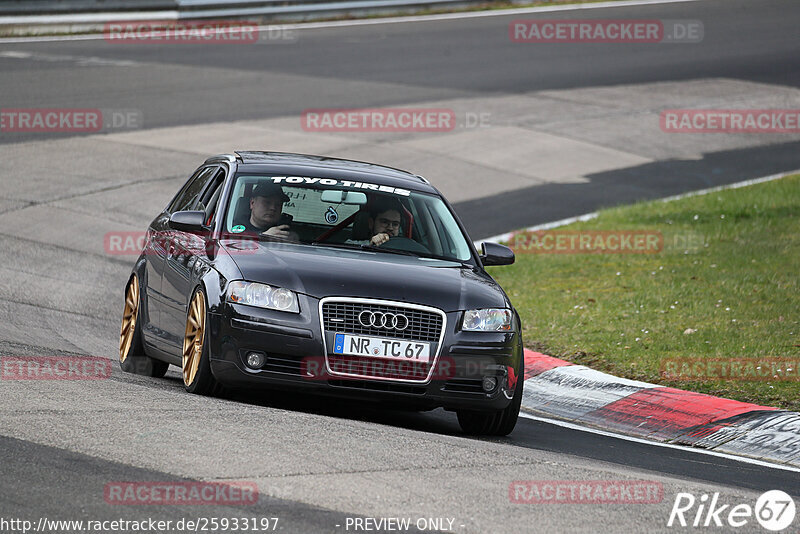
[{"x": 376, "y": 347}]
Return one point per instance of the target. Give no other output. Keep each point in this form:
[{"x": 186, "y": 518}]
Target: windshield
[{"x": 331, "y": 212}]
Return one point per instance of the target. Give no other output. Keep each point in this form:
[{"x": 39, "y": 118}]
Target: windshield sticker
[
  {"x": 238, "y": 229},
  {"x": 331, "y": 216},
  {"x": 340, "y": 183}
]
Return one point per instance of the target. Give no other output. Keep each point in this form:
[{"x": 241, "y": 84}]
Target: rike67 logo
[{"x": 773, "y": 510}]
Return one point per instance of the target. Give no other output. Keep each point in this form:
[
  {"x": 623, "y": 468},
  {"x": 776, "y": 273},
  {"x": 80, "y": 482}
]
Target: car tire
[
  {"x": 496, "y": 423},
  {"x": 196, "y": 366},
  {"x": 132, "y": 358}
]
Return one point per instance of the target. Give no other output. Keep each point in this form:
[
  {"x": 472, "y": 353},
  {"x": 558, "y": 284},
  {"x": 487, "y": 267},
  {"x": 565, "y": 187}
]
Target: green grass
[{"x": 729, "y": 269}]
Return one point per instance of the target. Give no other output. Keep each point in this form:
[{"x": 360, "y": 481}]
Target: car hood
[{"x": 323, "y": 271}]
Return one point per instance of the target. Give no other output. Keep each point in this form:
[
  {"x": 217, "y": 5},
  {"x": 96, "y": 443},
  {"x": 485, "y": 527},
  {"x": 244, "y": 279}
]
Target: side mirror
[
  {"x": 188, "y": 221},
  {"x": 496, "y": 254}
]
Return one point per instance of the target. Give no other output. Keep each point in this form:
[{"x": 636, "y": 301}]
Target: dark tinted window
[
  {"x": 188, "y": 198},
  {"x": 211, "y": 196}
]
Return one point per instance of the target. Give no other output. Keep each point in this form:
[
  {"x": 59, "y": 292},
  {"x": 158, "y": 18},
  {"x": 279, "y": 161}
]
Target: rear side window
[
  {"x": 210, "y": 199},
  {"x": 189, "y": 197}
]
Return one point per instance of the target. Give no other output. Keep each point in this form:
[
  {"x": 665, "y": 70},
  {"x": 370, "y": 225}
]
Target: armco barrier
[
  {"x": 53, "y": 7},
  {"x": 196, "y": 9}
]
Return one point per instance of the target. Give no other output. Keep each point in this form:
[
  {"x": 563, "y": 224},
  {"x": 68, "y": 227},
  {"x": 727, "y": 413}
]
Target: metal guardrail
[
  {"x": 202, "y": 8},
  {"x": 234, "y": 4},
  {"x": 58, "y": 7},
  {"x": 304, "y": 7}
]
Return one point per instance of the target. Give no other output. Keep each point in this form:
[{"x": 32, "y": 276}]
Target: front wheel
[
  {"x": 132, "y": 358},
  {"x": 197, "y": 376},
  {"x": 496, "y": 423}
]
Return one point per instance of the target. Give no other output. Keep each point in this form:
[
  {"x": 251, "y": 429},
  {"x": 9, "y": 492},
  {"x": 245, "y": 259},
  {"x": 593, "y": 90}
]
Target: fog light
[
  {"x": 255, "y": 360},
  {"x": 489, "y": 383}
]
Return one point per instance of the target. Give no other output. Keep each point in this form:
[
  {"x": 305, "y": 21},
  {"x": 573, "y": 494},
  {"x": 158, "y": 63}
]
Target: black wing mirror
[
  {"x": 188, "y": 221},
  {"x": 496, "y": 254}
]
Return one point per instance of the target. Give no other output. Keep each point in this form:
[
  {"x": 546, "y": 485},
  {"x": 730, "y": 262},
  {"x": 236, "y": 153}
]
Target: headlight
[
  {"x": 263, "y": 296},
  {"x": 487, "y": 320}
]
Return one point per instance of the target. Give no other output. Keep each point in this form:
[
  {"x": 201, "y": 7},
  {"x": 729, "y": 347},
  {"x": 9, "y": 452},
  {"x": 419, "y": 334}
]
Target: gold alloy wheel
[
  {"x": 129, "y": 316},
  {"x": 193, "y": 338}
]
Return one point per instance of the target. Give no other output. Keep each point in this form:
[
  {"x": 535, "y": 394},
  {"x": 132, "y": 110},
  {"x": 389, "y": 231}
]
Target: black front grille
[
  {"x": 343, "y": 317},
  {"x": 464, "y": 385},
  {"x": 277, "y": 363},
  {"x": 379, "y": 367}
]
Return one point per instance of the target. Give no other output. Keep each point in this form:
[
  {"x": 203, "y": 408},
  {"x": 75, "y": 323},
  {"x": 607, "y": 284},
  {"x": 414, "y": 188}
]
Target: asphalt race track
[{"x": 568, "y": 128}]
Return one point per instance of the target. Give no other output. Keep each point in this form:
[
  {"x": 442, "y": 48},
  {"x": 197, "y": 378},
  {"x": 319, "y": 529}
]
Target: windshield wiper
[
  {"x": 374, "y": 248},
  {"x": 416, "y": 255},
  {"x": 390, "y": 250},
  {"x": 349, "y": 246}
]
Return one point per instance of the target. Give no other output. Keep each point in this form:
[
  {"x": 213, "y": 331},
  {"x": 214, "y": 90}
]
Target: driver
[
  {"x": 266, "y": 217},
  {"x": 384, "y": 223}
]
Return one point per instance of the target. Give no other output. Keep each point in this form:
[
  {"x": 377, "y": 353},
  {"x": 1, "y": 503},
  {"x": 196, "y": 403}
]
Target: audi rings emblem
[{"x": 390, "y": 321}]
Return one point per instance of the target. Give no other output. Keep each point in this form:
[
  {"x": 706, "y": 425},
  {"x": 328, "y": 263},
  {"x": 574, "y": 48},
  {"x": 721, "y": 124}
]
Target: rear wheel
[
  {"x": 496, "y": 423},
  {"x": 132, "y": 358},
  {"x": 197, "y": 377}
]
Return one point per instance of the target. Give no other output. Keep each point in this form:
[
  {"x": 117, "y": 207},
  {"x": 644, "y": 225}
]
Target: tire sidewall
[
  {"x": 135, "y": 355},
  {"x": 204, "y": 382}
]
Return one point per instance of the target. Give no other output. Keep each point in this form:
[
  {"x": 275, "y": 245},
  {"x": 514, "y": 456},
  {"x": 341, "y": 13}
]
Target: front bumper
[{"x": 296, "y": 359}]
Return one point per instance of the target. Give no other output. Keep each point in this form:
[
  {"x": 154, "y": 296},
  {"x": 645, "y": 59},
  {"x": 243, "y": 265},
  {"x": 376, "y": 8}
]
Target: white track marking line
[
  {"x": 172, "y": 16},
  {"x": 81, "y": 61},
  {"x": 481, "y": 14},
  {"x": 686, "y": 448},
  {"x": 588, "y": 216},
  {"x": 737, "y": 185},
  {"x": 545, "y": 226}
]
